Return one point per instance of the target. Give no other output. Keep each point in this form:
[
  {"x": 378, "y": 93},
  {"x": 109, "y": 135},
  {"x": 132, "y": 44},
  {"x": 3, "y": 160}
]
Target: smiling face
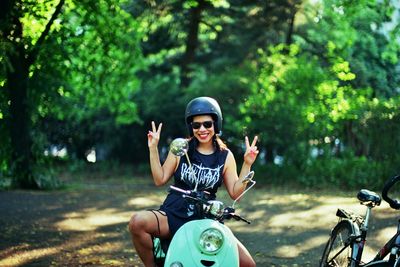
[{"x": 206, "y": 131}]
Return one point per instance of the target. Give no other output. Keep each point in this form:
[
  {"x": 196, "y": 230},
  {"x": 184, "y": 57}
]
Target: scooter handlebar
[
  {"x": 177, "y": 189},
  {"x": 240, "y": 218},
  {"x": 229, "y": 213},
  {"x": 197, "y": 196}
]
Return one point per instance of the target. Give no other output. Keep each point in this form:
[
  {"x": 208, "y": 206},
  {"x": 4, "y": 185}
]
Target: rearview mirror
[{"x": 179, "y": 147}]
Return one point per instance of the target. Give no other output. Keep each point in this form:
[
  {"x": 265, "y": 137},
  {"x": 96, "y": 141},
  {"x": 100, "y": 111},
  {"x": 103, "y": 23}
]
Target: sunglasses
[{"x": 197, "y": 125}]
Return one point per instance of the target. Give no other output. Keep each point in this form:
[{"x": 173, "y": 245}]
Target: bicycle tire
[{"x": 339, "y": 235}]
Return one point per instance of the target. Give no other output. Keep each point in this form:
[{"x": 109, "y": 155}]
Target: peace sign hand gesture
[
  {"x": 251, "y": 151},
  {"x": 153, "y": 136}
]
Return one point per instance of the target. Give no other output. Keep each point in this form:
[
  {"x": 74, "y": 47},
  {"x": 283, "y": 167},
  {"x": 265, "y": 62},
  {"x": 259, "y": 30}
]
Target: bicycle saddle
[{"x": 369, "y": 198}]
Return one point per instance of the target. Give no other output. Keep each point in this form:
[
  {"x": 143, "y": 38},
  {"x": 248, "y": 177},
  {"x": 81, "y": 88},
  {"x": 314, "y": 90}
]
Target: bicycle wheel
[{"x": 336, "y": 253}]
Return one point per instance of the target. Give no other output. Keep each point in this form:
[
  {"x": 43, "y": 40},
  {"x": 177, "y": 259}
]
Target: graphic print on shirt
[{"x": 206, "y": 177}]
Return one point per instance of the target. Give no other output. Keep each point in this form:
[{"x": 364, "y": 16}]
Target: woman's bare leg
[
  {"x": 245, "y": 259},
  {"x": 142, "y": 226}
]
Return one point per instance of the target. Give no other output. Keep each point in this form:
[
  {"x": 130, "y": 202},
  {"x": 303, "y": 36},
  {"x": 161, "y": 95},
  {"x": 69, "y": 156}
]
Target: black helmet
[{"x": 204, "y": 106}]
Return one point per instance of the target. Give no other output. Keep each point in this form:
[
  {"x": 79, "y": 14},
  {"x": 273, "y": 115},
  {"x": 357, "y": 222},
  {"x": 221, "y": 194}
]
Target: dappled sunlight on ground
[
  {"x": 296, "y": 226},
  {"x": 90, "y": 227},
  {"x": 18, "y": 258},
  {"x": 78, "y": 251},
  {"x": 23, "y": 255},
  {"x": 91, "y": 219},
  {"x": 309, "y": 218},
  {"x": 386, "y": 233},
  {"x": 146, "y": 202},
  {"x": 295, "y": 250}
]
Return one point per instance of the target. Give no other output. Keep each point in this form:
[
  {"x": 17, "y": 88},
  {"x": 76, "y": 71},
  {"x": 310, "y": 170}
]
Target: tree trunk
[
  {"x": 291, "y": 26},
  {"x": 269, "y": 157},
  {"x": 21, "y": 140},
  {"x": 355, "y": 142},
  {"x": 191, "y": 42},
  {"x": 17, "y": 85}
]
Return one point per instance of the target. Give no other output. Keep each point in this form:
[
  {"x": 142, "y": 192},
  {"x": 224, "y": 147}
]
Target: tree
[
  {"x": 20, "y": 59},
  {"x": 205, "y": 48},
  {"x": 318, "y": 109},
  {"x": 55, "y": 51}
]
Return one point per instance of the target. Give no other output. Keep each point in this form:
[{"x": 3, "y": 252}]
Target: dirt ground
[{"x": 87, "y": 226}]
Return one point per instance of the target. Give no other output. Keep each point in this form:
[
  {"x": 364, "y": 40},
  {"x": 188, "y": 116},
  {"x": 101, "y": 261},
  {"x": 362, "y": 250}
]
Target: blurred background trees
[{"x": 318, "y": 81}]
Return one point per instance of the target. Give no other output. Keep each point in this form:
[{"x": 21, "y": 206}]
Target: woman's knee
[
  {"x": 251, "y": 263},
  {"x": 136, "y": 223},
  {"x": 248, "y": 262}
]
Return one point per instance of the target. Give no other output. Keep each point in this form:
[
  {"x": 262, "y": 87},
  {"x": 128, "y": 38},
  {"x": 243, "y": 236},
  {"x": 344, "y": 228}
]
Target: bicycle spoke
[
  {"x": 338, "y": 251},
  {"x": 341, "y": 251}
]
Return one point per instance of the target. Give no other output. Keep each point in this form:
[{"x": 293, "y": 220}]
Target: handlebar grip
[{"x": 394, "y": 203}]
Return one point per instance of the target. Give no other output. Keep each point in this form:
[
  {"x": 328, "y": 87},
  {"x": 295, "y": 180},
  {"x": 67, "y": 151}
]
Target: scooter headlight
[{"x": 211, "y": 240}]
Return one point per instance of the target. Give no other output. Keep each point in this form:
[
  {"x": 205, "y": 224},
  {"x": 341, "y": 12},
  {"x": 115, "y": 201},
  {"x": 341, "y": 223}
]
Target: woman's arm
[
  {"x": 161, "y": 173},
  {"x": 233, "y": 182}
]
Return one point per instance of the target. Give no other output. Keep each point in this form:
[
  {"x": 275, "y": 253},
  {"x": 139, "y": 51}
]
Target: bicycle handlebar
[{"x": 394, "y": 203}]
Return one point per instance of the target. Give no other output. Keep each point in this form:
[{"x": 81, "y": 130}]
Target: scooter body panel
[{"x": 185, "y": 246}]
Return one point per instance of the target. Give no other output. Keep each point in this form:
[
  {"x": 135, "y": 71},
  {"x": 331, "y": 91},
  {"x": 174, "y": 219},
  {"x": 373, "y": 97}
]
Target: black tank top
[{"x": 207, "y": 171}]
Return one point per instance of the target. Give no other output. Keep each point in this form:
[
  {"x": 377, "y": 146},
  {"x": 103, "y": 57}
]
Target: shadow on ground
[{"x": 88, "y": 226}]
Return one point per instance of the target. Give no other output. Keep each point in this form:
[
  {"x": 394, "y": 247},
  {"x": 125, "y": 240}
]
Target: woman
[{"x": 212, "y": 163}]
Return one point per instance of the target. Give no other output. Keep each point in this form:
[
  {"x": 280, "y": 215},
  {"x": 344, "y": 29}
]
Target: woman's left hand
[{"x": 251, "y": 151}]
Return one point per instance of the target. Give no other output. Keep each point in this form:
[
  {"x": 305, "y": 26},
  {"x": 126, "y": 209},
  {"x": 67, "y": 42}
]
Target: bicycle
[{"x": 347, "y": 239}]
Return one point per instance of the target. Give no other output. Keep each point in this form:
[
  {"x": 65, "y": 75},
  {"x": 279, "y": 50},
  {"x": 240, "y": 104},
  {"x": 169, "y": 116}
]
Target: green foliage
[
  {"x": 347, "y": 172},
  {"x": 161, "y": 100},
  {"x": 280, "y": 108},
  {"x": 298, "y": 106},
  {"x": 362, "y": 34},
  {"x": 230, "y": 87},
  {"x": 92, "y": 90},
  {"x": 99, "y": 74},
  {"x": 322, "y": 93},
  {"x": 85, "y": 70},
  {"x": 373, "y": 129},
  {"x": 5, "y": 151}
]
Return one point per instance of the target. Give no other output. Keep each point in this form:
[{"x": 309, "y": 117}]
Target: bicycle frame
[
  {"x": 349, "y": 234},
  {"x": 358, "y": 242},
  {"x": 392, "y": 247}
]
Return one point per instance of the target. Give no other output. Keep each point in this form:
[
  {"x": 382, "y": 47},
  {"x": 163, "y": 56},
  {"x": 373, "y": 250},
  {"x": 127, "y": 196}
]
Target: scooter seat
[{"x": 369, "y": 198}]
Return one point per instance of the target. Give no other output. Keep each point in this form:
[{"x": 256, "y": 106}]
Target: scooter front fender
[{"x": 185, "y": 246}]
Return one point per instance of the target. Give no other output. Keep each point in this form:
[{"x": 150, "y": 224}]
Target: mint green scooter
[{"x": 207, "y": 241}]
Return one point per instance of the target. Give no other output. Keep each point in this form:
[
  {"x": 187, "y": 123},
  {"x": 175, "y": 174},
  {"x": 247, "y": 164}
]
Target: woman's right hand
[{"x": 153, "y": 136}]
